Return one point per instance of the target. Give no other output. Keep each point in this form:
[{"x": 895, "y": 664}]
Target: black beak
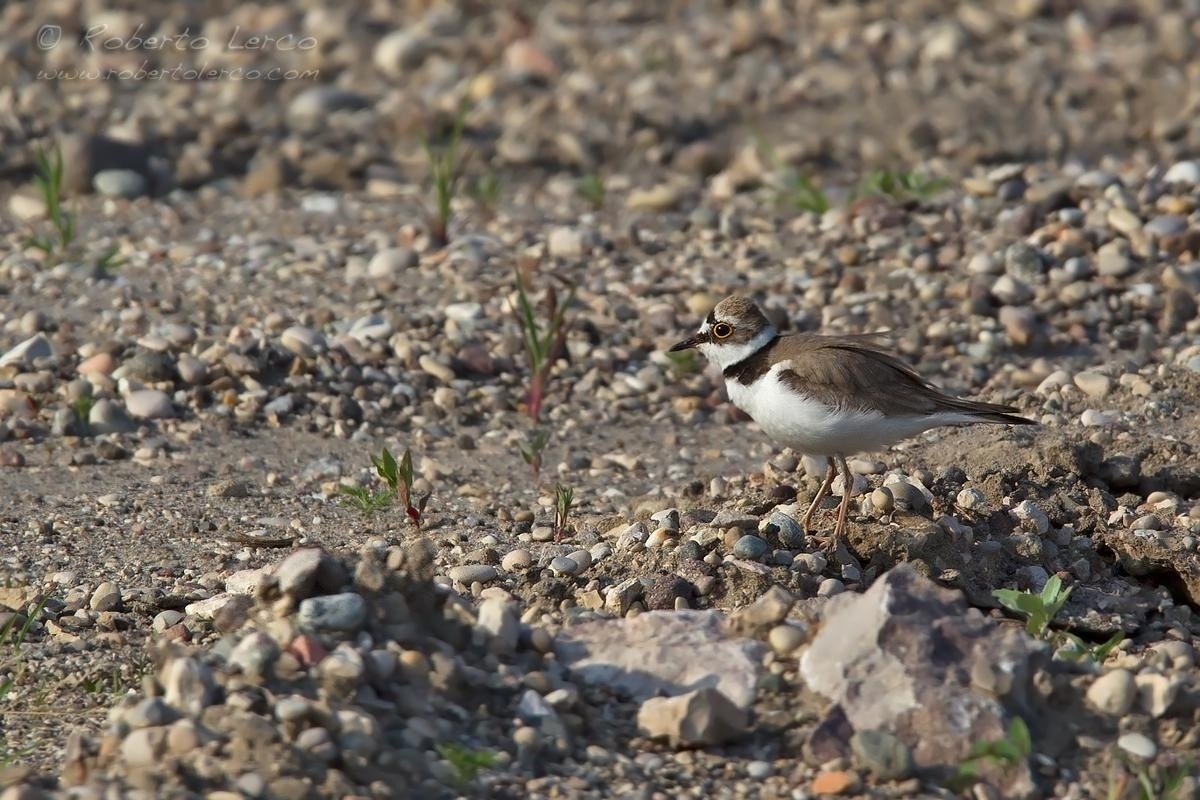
[{"x": 688, "y": 344}]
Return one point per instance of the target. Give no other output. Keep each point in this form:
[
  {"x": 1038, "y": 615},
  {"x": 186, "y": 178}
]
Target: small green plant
[
  {"x": 563, "y": 496},
  {"x": 1040, "y": 609},
  {"x": 1007, "y": 752},
  {"x": 798, "y": 191},
  {"x": 365, "y": 499},
  {"x": 399, "y": 477},
  {"x": 486, "y": 192},
  {"x": 465, "y": 762},
  {"x": 446, "y": 167},
  {"x": 82, "y": 408},
  {"x": 108, "y": 682},
  {"x": 545, "y": 341},
  {"x": 532, "y": 447},
  {"x": 684, "y": 363},
  {"x": 792, "y": 187},
  {"x": 591, "y": 189},
  {"x": 900, "y": 185},
  {"x": 48, "y": 178},
  {"x": 12, "y": 636},
  {"x": 108, "y": 261},
  {"x": 1148, "y": 782}
]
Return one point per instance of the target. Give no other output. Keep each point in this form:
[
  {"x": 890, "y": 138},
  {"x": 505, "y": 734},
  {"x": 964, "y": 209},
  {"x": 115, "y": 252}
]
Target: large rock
[
  {"x": 663, "y": 652},
  {"x": 908, "y": 658}
]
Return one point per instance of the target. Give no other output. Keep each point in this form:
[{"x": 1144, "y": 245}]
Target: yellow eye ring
[{"x": 722, "y": 330}]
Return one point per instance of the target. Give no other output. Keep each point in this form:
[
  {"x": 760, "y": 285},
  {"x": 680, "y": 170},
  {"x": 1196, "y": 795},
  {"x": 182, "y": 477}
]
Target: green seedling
[
  {"x": 531, "y": 448},
  {"x": 13, "y": 636},
  {"x": 591, "y": 189},
  {"x": 545, "y": 342},
  {"x": 48, "y": 178},
  {"x": 107, "y": 262},
  {"x": 365, "y": 499},
  {"x": 465, "y": 762},
  {"x": 900, "y": 185},
  {"x": 1040, "y": 609},
  {"x": 1015, "y": 747},
  {"x": 446, "y": 167},
  {"x": 684, "y": 363},
  {"x": 1149, "y": 782},
  {"x": 82, "y": 408},
  {"x": 793, "y": 188},
  {"x": 798, "y": 191},
  {"x": 486, "y": 192},
  {"x": 563, "y": 496},
  {"x": 399, "y": 478}
]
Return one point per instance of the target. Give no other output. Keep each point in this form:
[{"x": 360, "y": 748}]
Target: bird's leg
[
  {"x": 836, "y": 544},
  {"x": 839, "y": 532},
  {"x": 830, "y": 472}
]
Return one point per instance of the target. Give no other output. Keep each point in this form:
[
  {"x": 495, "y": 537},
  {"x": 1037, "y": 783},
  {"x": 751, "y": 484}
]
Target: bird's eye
[{"x": 722, "y": 330}]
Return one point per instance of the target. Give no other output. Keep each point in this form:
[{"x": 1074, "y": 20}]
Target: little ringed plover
[{"x": 830, "y": 396}]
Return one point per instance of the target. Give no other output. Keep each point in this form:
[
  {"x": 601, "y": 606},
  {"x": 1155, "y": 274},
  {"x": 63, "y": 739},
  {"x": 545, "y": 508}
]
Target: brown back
[{"x": 854, "y": 372}]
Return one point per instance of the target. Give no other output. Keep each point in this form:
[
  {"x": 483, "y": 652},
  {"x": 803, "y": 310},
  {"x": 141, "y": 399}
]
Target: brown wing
[{"x": 853, "y": 372}]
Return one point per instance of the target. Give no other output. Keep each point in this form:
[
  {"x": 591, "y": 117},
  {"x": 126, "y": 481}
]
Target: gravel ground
[{"x": 255, "y": 302}]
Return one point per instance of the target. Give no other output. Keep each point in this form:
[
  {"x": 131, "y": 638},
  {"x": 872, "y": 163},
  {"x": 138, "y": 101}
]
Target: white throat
[{"x": 726, "y": 354}]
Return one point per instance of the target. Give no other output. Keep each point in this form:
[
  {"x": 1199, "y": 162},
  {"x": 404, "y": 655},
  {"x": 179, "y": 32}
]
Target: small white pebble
[{"x": 971, "y": 499}]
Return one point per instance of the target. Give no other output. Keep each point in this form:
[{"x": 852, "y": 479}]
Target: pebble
[
  {"x": 517, "y": 560},
  {"x": 1157, "y": 693},
  {"x": 1028, "y": 512},
  {"x": 582, "y": 558},
  {"x": 750, "y": 547},
  {"x": 335, "y": 612},
  {"x": 565, "y": 242},
  {"x": 149, "y": 404},
  {"x": 497, "y": 621},
  {"x": 302, "y": 341},
  {"x": 971, "y": 499},
  {"x": 1010, "y": 291},
  {"x": 562, "y": 565},
  {"x": 1094, "y": 384},
  {"x": 166, "y": 619},
  {"x": 1183, "y": 172},
  {"x": 789, "y": 530},
  {"x": 28, "y": 352},
  {"x": 120, "y": 183},
  {"x": 1091, "y": 418},
  {"x": 829, "y": 587},
  {"x": 1113, "y": 693},
  {"x": 401, "y": 51},
  {"x": 106, "y": 597},
  {"x": 785, "y": 639},
  {"x": 467, "y": 574},
  {"x": 391, "y": 262},
  {"x": 316, "y": 104},
  {"x": 882, "y": 754},
  {"x": 1139, "y": 745}
]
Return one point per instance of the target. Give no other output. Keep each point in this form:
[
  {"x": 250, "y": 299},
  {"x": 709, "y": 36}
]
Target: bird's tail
[{"x": 988, "y": 412}]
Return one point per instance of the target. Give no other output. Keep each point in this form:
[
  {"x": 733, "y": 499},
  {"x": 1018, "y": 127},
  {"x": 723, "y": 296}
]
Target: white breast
[{"x": 816, "y": 429}]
